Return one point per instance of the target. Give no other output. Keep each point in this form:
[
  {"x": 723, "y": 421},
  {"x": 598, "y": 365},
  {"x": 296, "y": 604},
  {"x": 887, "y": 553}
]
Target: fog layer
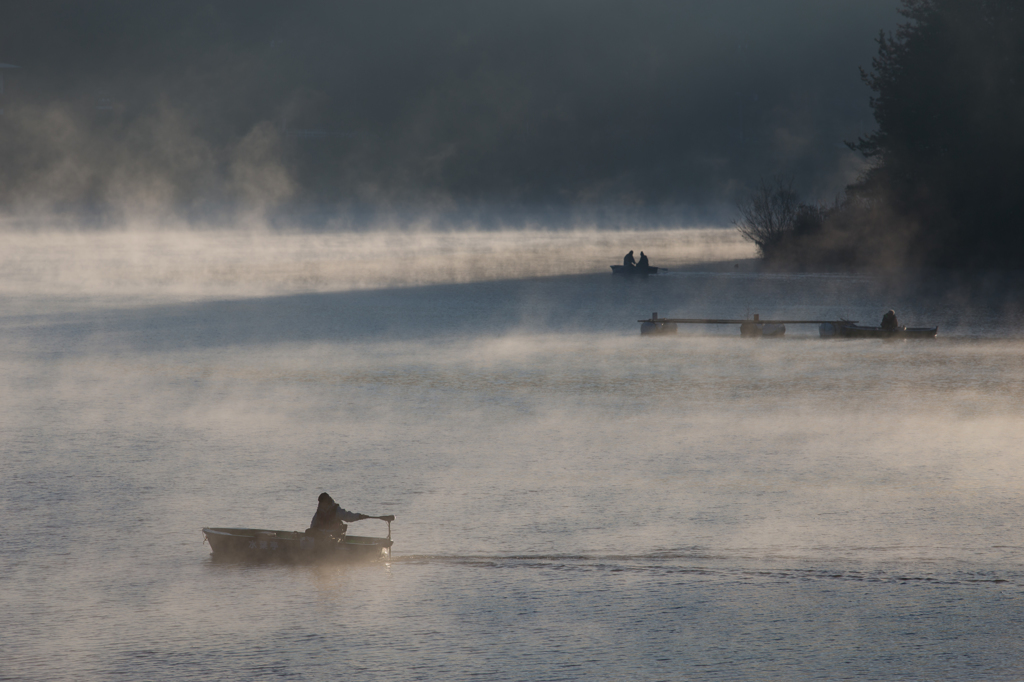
[
  {"x": 194, "y": 106},
  {"x": 564, "y": 487}
]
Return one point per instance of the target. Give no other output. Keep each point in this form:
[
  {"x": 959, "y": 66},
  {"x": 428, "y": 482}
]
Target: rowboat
[
  {"x": 634, "y": 270},
  {"x": 287, "y": 546},
  {"x": 855, "y": 331}
]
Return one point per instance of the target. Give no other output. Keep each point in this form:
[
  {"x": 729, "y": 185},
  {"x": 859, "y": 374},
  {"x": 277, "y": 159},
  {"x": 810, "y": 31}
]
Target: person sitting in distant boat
[
  {"x": 642, "y": 263},
  {"x": 889, "y": 322},
  {"x": 331, "y": 518},
  {"x": 628, "y": 261}
]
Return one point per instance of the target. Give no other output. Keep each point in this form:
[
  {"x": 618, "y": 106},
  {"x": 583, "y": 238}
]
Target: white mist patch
[
  {"x": 194, "y": 264},
  {"x": 552, "y": 443}
]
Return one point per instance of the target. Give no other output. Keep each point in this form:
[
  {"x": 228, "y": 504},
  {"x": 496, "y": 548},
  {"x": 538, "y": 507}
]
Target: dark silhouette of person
[
  {"x": 642, "y": 263},
  {"x": 628, "y": 261},
  {"x": 889, "y": 322},
  {"x": 331, "y": 518}
]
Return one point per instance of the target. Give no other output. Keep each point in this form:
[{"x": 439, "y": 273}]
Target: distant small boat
[
  {"x": 286, "y": 546},
  {"x": 634, "y": 271},
  {"x": 856, "y": 331}
]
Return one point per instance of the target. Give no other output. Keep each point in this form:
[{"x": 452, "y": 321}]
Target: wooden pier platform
[{"x": 751, "y": 327}]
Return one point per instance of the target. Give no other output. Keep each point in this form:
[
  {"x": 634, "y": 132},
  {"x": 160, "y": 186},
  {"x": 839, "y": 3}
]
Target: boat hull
[
  {"x": 855, "y": 331},
  {"x": 260, "y": 545},
  {"x": 634, "y": 271}
]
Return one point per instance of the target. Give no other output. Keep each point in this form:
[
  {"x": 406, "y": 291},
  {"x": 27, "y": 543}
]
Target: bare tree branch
[{"x": 768, "y": 215}]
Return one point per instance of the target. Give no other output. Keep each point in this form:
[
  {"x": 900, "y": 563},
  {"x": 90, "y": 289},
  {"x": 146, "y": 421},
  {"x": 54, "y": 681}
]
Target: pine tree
[{"x": 948, "y": 99}]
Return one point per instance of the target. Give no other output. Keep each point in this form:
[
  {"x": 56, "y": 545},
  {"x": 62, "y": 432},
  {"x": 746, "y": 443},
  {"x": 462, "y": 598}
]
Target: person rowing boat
[
  {"x": 331, "y": 518},
  {"x": 325, "y": 540}
]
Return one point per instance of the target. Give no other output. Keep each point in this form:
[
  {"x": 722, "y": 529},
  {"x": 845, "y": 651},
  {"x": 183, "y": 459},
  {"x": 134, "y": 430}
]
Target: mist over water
[
  {"x": 572, "y": 501},
  {"x": 179, "y": 264}
]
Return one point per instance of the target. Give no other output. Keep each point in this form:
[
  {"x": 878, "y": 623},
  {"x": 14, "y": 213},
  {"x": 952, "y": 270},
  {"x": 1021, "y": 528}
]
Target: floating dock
[{"x": 750, "y": 328}]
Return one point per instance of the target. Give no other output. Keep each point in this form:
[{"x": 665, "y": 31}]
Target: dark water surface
[{"x": 573, "y": 501}]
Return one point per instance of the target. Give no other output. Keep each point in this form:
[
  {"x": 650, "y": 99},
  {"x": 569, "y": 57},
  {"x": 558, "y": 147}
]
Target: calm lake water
[{"x": 573, "y": 502}]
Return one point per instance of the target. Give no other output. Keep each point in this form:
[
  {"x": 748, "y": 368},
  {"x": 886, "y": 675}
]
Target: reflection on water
[{"x": 572, "y": 501}]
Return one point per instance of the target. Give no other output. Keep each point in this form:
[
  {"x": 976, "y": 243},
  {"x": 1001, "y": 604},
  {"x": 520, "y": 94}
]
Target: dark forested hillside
[
  {"x": 946, "y": 187},
  {"x": 949, "y": 101}
]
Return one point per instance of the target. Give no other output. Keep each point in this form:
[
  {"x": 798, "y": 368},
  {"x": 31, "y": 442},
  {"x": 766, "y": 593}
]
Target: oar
[{"x": 389, "y": 518}]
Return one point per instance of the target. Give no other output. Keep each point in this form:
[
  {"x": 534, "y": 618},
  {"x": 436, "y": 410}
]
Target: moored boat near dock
[
  {"x": 758, "y": 328},
  {"x": 285, "y": 546},
  {"x": 849, "y": 330}
]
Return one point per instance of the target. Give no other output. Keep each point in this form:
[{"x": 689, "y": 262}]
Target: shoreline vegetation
[{"x": 945, "y": 189}]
